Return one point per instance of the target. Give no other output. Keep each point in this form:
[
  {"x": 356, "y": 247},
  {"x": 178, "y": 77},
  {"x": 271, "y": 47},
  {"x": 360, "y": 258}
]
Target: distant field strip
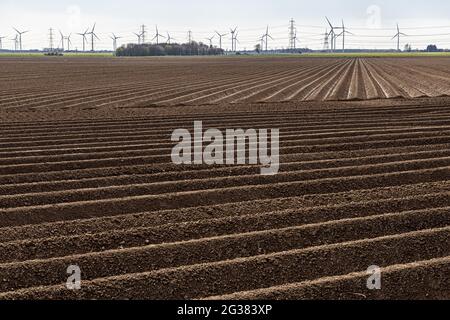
[{"x": 93, "y": 82}]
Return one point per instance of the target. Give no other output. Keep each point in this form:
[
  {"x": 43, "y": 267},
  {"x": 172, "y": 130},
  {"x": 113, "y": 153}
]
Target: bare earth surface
[{"x": 86, "y": 178}]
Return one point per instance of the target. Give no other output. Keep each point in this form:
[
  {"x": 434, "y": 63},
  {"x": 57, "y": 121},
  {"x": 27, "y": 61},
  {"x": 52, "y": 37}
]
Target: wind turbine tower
[
  {"x": 236, "y": 41},
  {"x": 84, "y": 38},
  {"x": 333, "y": 35},
  {"x": 232, "y": 38},
  {"x": 267, "y": 36},
  {"x": 169, "y": 38},
  {"x": 344, "y": 31},
  {"x": 210, "y": 41},
  {"x": 62, "y": 40},
  {"x": 20, "y": 37},
  {"x": 114, "y": 39},
  {"x": 93, "y": 37},
  {"x": 261, "y": 45},
  {"x": 220, "y": 38},
  {"x": 16, "y": 42},
  {"x": 398, "y": 37},
  {"x": 157, "y": 36},
  {"x": 138, "y": 35},
  {"x": 69, "y": 42}
]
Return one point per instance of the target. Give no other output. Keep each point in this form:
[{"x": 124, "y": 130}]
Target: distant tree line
[
  {"x": 433, "y": 48},
  {"x": 175, "y": 49}
]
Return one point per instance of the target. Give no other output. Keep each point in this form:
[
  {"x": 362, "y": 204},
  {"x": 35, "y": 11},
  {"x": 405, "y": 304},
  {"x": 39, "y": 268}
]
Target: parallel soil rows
[{"x": 359, "y": 184}]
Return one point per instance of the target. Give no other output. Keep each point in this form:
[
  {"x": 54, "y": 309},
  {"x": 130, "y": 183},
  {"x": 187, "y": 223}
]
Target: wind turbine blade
[
  {"x": 16, "y": 30},
  {"x": 329, "y": 23},
  {"x": 93, "y": 28},
  {"x": 394, "y": 37}
]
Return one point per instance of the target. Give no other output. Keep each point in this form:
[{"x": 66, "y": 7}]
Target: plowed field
[{"x": 86, "y": 179}]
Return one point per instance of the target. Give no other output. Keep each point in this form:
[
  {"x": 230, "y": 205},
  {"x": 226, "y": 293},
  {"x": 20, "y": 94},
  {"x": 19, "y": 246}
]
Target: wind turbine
[
  {"x": 169, "y": 38},
  {"x": 220, "y": 38},
  {"x": 266, "y": 36},
  {"x": 236, "y": 41},
  {"x": 344, "y": 31},
  {"x": 93, "y": 36},
  {"x": 20, "y": 37},
  {"x": 84, "y": 38},
  {"x": 114, "y": 39},
  {"x": 62, "y": 40},
  {"x": 332, "y": 34},
  {"x": 210, "y": 41},
  {"x": 69, "y": 42},
  {"x": 262, "y": 43},
  {"x": 16, "y": 41},
  {"x": 232, "y": 38},
  {"x": 157, "y": 36},
  {"x": 398, "y": 37},
  {"x": 139, "y": 37}
]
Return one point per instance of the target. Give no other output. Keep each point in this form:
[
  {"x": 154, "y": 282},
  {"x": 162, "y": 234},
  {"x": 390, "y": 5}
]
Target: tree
[
  {"x": 432, "y": 48},
  {"x": 408, "y": 47},
  {"x": 173, "y": 49},
  {"x": 258, "y": 48}
]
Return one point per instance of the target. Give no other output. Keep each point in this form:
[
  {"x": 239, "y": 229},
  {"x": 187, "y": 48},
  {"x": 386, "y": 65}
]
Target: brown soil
[{"x": 86, "y": 178}]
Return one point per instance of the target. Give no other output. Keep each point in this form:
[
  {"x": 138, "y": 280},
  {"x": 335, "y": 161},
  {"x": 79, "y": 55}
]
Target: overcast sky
[{"x": 372, "y": 22}]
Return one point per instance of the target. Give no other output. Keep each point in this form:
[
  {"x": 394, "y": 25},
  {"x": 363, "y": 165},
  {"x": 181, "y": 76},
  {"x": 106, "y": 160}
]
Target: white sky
[{"x": 372, "y": 22}]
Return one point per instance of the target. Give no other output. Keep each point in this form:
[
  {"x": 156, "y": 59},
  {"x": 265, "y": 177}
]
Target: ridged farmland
[{"x": 86, "y": 179}]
